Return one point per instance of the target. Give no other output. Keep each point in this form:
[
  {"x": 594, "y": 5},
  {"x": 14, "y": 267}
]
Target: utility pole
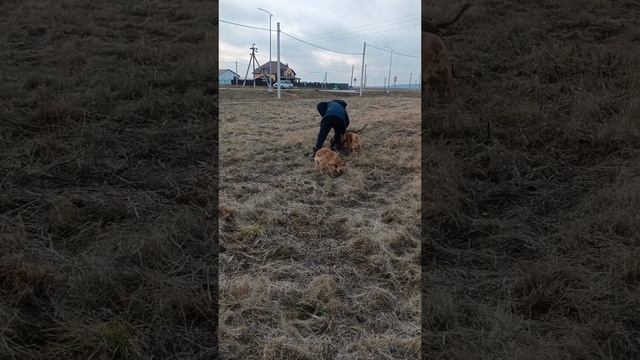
[
  {"x": 390, "y": 60},
  {"x": 385, "y": 83},
  {"x": 237, "y": 72},
  {"x": 254, "y": 61},
  {"x": 365, "y": 76},
  {"x": 270, "y": 71},
  {"x": 351, "y": 79},
  {"x": 410, "y": 74},
  {"x": 254, "y": 65},
  {"x": 279, "y": 83},
  {"x": 364, "y": 51}
]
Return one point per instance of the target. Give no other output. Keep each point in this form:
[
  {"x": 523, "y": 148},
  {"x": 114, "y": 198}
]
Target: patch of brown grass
[
  {"x": 107, "y": 180},
  {"x": 531, "y": 226},
  {"x": 336, "y": 263}
]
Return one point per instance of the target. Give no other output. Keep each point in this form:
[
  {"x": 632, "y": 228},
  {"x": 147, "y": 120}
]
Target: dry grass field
[
  {"x": 107, "y": 179},
  {"x": 532, "y": 236},
  {"x": 316, "y": 267}
]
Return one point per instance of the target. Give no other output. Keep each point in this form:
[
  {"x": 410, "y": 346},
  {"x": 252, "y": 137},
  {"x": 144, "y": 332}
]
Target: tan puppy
[
  {"x": 329, "y": 160},
  {"x": 435, "y": 65},
  {"x": 435, "y": 57},
  {"x": 352, "y": 141}
]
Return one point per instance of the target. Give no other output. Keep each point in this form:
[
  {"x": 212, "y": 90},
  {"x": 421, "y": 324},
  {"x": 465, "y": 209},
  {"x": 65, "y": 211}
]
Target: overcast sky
[{"x": 341, "y": 25}]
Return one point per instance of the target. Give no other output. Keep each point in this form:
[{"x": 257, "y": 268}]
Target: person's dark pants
[{"x": 326, "y": 125}]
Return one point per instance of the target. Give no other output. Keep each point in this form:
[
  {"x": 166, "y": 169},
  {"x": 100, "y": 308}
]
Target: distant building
[
  {"x": 227, "y": 77},
  {"x": 286, "y": 73}
]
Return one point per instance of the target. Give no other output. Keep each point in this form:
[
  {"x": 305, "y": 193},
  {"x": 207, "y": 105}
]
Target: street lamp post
[
  {"x": 270, "y": 72},
  {"x": 390, "y": 60}
]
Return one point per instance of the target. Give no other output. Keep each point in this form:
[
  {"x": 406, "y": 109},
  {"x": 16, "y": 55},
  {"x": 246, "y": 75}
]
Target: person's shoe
[
  {"x": 342, "y": 150},
  {"x": 313, "y": 153}
]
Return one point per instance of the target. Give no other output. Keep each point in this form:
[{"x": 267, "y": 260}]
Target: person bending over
[{"x": 334, "y": 116}]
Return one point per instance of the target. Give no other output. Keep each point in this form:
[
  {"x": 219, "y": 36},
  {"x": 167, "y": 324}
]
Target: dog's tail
[
  {"x": 360, "y": 130},
  {"x": 445, "y": 24}
]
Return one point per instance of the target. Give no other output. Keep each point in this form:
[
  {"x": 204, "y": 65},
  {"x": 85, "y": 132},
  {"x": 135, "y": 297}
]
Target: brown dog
[
  {"x": 352, "y": 141},
  {"x": 435, "y": 57},
  {"x": 435, "y": 65},
  {"x": 329, "y": 160}
]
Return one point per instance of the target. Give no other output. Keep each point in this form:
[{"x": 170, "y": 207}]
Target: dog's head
[{"x": 338, "y": 166}]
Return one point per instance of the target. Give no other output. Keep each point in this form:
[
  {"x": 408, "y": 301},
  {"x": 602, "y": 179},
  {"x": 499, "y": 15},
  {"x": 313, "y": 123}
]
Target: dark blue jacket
[{"x": 335, "y": 108}]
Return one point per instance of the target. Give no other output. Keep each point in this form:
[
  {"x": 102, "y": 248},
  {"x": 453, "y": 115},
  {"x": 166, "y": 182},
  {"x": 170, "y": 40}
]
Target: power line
[
  {"x": 320, "y": 47},
  {"x": 324, "y": 69},
  {"x": 333, "y": 32},
  {"x": 385, "y": 30},
  {"x": 349, "y": 29},
  {"x": 376, "y": 32},
  {"x": 233, "y": 62},
  {"x": 247, "y": 26},
  {"x": 407, "y": 55},
  {"x": 397, "y": 53},
  {"x": 360, "y": 26},
  {"x": 379, "y": 48},
  {"x": 365, "y": 32},
  {"x": 342, "y": 37},
  {"x": 381, "y": 31}
]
